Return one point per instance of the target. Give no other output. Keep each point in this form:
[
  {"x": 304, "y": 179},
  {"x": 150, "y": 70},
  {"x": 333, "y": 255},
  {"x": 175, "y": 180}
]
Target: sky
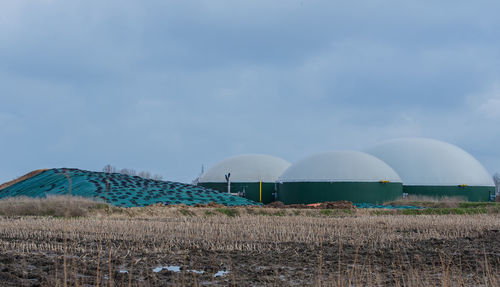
[{"x": 169, "y": 86}]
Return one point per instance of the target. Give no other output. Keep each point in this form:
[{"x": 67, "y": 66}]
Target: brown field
[{"x": 254, "y": 246}]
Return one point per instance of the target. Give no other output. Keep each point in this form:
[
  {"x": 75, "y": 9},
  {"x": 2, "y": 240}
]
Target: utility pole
[{"x": 228, "y": 179}]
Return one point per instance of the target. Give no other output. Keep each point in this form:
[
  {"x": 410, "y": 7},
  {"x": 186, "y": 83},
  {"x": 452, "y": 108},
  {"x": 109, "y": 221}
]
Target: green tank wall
[
  {"x": 471, "y": 193},
  {"x": 251, "y": 189},
  {"x": 357, "y": 192}
]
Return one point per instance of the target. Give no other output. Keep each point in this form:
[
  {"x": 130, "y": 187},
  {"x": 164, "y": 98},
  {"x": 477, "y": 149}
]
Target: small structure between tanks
[
  {"x": 435, "y": 168},
  {"x": 253, "y": 175},
  {"x": 339, "y": 175}
]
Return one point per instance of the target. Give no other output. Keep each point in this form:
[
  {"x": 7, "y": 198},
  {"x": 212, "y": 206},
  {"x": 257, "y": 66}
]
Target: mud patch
[{"x": 298, "y": 265}]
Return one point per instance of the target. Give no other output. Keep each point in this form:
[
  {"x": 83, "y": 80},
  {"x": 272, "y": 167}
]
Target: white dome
[
  {"x": 340, "y": 166},
  {"x": 421, "y": 161},
  {"x": 247, "y": 168}
]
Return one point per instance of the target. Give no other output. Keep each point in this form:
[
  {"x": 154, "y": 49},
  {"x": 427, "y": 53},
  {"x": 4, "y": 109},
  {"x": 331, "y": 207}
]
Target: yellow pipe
[{"x": 260, "y": 191}]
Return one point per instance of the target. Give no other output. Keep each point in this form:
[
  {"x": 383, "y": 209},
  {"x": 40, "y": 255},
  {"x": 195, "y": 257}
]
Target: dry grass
[
  {"x": 279, "y": 249},
  {"x": 429, "y": 201},
  {"x": 221, "y": 232},
  {"x": 83, "y": 207},
  {"x": 21, "y": 178},
  {"x": 51, "y": 206},
  {"x": 78, "y": 206}
]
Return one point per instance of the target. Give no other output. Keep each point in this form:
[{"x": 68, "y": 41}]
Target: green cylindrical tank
[
  {"x": 339, "y": 175},
  {"x": 436, "y": 169},
  {"x": 469, "y": 193},
  {"x": 254, "y": 175}
]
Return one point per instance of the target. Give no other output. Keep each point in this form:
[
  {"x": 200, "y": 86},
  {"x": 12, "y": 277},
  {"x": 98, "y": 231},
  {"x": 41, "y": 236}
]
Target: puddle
[
  {"x": 221, "y": 273},
  {"x": 122, "y": 269},
  {"x": 175, "y": 268}
]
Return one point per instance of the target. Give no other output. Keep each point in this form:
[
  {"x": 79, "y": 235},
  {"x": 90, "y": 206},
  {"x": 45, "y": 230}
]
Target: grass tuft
[
  {"x": 326, "y": 211},
  {"x": 441, "y": 211},
  {"x": 209, "y": 213},
  {"x": 477, "y": 204},
  {"x": 186, "y": 212},
  {"x": 231, "y": 212},
  {"x": 429, "y": 201},
  {"x": 52, "y": 206}
]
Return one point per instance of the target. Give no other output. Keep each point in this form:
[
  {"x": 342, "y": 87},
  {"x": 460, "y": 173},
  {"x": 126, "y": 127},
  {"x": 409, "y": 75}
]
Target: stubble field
[{"x": 183, "y": 246}]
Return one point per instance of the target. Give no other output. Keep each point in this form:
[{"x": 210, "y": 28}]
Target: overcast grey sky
[{"x": 167, "y": 86}]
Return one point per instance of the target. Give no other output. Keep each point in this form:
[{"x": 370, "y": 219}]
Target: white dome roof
[
  {"x": 247, "y": 168},
  {"x": 421, "y": 161},
  {"x": 339, "y": 166}
]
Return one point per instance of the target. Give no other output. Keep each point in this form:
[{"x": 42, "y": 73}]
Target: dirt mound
[
  {"x": 342, "y": 204},
  {"x": 276, "y": 204}
]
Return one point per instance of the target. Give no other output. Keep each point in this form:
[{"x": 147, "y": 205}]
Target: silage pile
[{"x": 118, "y": 189}]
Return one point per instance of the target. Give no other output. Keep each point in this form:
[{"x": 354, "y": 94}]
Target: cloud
[
  {"x": 491, "y": 108},
  {"x": 487, "y": 104},
  {"x": 168, "y": 86}
]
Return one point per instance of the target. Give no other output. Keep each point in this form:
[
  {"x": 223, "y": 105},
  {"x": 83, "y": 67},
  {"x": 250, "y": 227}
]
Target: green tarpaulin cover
[{"x": 123, "y": 190}]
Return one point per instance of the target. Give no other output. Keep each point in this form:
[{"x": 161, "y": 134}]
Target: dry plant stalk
[{"x": 360, "y": 250}]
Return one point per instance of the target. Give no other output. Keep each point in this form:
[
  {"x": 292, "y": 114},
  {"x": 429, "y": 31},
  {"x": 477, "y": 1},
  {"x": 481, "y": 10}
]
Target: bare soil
[{"x": 34, "y": 256}]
